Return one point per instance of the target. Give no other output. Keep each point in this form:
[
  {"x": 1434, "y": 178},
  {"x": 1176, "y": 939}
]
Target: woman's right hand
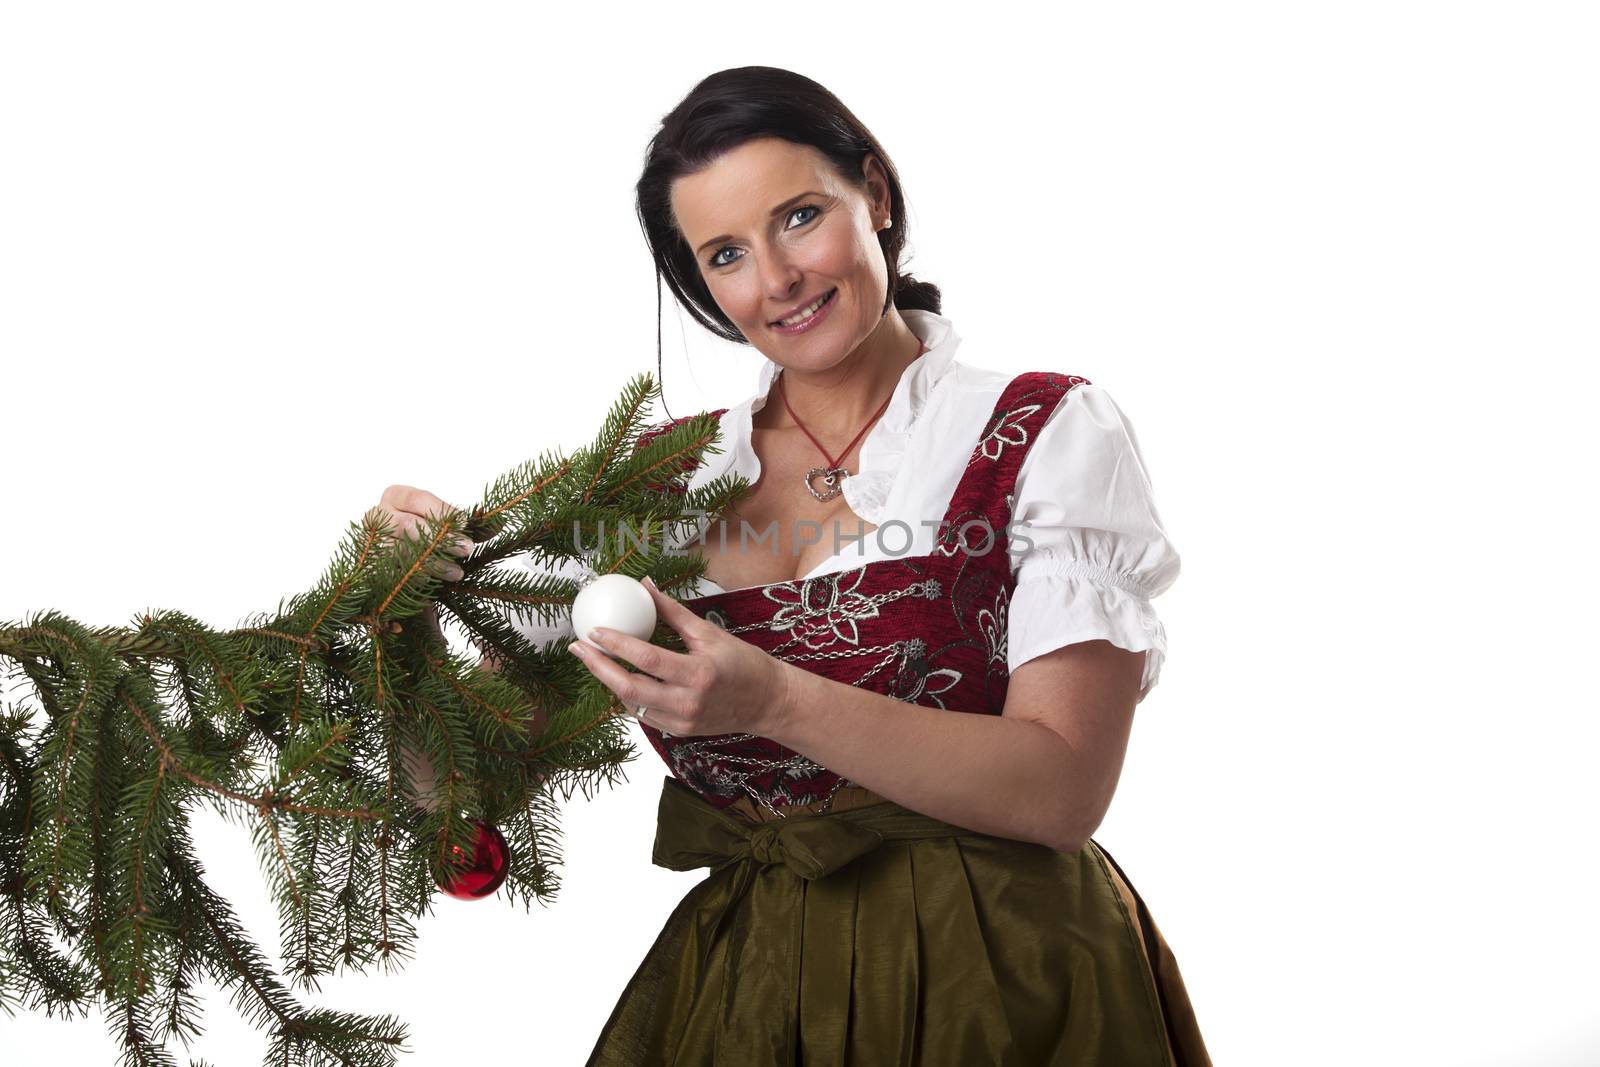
[{"x": 405, "y": 507}]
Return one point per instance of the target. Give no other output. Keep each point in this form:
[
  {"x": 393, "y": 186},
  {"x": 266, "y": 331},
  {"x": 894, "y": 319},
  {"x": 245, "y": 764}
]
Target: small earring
[{"x": 886, "y": 224}]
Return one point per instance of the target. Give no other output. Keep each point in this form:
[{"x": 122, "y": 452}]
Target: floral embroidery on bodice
[{"x": 927, "y": 629}]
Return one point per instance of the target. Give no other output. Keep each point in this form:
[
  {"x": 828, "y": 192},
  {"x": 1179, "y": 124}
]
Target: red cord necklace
[{"x": 833, "y": 474}]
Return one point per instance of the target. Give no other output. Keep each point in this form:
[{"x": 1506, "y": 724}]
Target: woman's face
[{"x": 773, "y": 228}]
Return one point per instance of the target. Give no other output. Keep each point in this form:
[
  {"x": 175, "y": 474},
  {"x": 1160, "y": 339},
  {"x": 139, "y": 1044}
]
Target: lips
[{"x": 802, "y": 306}]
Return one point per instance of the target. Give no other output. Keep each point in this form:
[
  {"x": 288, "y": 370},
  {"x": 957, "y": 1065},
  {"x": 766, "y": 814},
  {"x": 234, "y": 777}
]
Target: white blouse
[{"x": 1082, "y": 496}]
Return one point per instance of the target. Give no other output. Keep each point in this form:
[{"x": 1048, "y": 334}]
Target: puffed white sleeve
[{"x": 1099, "y": 554}]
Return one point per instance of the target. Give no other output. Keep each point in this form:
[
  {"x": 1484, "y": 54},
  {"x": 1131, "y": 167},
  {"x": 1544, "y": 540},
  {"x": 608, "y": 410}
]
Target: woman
[
  {"x": 893, "y": 728},
  {"x": 817, "y": 682}
]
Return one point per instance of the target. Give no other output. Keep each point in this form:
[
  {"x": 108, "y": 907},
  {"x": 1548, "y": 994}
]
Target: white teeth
[{"x": 807, "y": 313}]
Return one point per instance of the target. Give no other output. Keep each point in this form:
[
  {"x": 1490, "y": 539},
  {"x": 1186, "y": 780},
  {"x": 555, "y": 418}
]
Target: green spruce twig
[{"x": 297, "y": 725}]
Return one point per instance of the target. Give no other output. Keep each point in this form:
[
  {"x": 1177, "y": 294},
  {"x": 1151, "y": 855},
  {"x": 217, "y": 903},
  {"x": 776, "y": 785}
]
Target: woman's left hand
[{"x": 720, "y": 685}]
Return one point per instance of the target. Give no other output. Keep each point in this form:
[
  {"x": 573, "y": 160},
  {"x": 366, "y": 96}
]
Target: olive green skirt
[{"x": 877, "y": 936}]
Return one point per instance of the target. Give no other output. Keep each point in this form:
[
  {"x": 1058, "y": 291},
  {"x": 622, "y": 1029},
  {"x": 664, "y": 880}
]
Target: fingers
[
  {"x": 673, "y": 613},
  {"x": 632, "y": 689},
  {"x": 671, "y": 667},
  {"x": 408, "y": 506},
  {"x": 405, "y": 508}
]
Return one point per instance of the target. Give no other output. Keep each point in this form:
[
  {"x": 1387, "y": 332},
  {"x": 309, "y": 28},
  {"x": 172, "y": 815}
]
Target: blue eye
[{"x": 714, "y": 261}]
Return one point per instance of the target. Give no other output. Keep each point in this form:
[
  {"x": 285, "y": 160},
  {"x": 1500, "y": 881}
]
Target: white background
[{"x": 1336, "y": 262}]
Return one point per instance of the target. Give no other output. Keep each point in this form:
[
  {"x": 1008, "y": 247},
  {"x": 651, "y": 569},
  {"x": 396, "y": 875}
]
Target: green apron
[{"x": 877, "y": 937}]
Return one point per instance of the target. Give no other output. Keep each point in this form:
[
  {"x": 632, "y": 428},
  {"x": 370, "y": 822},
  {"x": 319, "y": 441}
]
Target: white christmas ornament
[{"x": 616, "y": 602}]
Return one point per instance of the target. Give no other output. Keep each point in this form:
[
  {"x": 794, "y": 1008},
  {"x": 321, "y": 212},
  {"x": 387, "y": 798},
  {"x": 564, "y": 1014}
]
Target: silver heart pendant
[{"x": 831, "y": 477}]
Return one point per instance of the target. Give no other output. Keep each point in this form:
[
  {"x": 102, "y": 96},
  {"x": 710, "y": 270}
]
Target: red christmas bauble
[{"x": 480, "y": 874}]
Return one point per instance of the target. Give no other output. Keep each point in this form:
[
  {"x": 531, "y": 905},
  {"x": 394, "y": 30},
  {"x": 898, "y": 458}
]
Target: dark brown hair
[{"x": 722, "y": 112}]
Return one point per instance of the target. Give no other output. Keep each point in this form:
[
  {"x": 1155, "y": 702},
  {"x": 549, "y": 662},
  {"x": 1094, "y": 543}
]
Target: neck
[{"x": 836, "y": 402}]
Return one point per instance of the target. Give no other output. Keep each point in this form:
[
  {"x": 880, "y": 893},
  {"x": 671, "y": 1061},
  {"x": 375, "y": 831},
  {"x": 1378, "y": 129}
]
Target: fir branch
[{"x": 291, "y": 723}]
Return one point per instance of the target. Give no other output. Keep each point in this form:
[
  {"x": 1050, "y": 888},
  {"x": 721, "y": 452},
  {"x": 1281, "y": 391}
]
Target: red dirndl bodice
[{"x": 929, "y": 629}]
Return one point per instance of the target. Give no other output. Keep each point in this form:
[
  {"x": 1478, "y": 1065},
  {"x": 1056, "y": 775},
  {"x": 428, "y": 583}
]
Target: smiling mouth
[{"x": 793, "y": 321}]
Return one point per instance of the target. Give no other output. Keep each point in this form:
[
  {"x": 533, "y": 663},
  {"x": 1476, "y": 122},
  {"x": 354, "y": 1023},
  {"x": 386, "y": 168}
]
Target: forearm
[
  {"x": 422, "y": 777},
  {"x": 1003, "y": 776}
]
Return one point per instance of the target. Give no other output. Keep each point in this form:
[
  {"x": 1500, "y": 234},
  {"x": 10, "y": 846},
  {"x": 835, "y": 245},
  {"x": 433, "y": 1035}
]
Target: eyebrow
[{"x": 772, "y": 214}]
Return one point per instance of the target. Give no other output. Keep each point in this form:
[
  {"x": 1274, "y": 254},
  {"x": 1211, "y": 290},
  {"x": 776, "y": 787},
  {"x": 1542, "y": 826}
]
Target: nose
[{"x": 783, "y": 282}]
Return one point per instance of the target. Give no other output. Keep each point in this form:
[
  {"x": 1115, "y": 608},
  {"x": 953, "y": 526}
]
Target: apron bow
[
  {"x": 806, "y": 915},
  {"x": 811, "y": 846}
]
